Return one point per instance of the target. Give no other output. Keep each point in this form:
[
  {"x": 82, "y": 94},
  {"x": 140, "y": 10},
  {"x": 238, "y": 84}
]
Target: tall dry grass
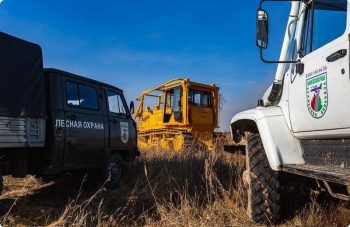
[{"x": 160, "y": 189}]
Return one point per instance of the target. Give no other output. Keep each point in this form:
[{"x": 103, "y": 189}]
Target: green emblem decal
[{"x": 317, "y": 95}]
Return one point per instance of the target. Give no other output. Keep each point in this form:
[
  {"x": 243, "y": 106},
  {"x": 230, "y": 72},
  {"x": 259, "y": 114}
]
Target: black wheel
[
  {"x": 114, "y": 170},
  {"x": 262, "y": 184}
]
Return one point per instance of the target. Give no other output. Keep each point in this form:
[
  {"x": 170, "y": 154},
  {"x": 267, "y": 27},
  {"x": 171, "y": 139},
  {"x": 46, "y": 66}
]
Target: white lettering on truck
[{"x": 79, "y": 124}]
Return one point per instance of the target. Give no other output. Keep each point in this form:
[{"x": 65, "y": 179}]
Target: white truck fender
[{"x": 280, "y": 145}]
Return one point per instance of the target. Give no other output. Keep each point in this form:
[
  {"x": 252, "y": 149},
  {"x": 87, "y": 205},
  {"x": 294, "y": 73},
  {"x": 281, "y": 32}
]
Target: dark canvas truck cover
[{"x": 22, "y": 86}]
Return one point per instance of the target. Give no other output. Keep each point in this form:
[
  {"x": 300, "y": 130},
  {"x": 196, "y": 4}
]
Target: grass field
[{"x": 160, "y": 189}]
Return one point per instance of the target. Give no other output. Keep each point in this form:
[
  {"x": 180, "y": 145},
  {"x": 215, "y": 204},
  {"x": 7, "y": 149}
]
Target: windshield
[
  {"x": 338, "y": 5},
  {"x": 200, "y": 98},
  {"x": 319, "y": 27}
]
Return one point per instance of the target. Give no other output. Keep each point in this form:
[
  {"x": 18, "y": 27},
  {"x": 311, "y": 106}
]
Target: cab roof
[
  {"x": 175, "y": 83},
  {"x": 74, "y": 76}
]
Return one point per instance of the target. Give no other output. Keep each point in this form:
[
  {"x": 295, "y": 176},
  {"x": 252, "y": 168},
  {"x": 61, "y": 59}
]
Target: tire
[
  {"x": 114, "y": 171},
  {"x": 262, "y": 184}
]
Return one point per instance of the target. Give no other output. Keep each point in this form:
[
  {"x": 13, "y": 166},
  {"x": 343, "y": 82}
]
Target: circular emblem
[
  {"x": 124, "y": 131},
  {"x": 317, "y": 95}
]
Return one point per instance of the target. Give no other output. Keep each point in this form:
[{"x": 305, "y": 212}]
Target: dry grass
[{"x": 160, "y": 189}]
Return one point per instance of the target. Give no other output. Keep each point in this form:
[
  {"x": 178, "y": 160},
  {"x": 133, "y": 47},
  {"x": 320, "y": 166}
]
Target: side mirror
[
  {"x": 262, "y": 29},
  {"x": 132, "y": 107}
]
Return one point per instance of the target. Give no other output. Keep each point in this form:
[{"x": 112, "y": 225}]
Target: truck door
[
  {"x": 318, "y": 97},
  {"x": 84, "y": 125},
  {"x": 122, "y": 130}
]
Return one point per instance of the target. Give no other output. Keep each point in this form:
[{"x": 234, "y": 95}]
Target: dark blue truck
[{"x": 53, "y": 122}]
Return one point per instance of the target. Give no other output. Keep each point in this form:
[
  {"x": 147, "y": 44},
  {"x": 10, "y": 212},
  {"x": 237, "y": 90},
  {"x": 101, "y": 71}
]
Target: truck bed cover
[{"x": 22, "y": 86}]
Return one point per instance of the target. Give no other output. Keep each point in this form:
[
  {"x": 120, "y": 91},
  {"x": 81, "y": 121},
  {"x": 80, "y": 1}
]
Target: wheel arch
[
  {"x": 280, "y": 146},
  {"x": 240, "y": 127},
  {"x": 125, "y": 154}
]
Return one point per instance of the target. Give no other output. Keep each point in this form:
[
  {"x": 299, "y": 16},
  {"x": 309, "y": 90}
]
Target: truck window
[
  {"x": 82, "y": 96},
  {"x": 115, "y": 103},
  {"x": 321, "y": 29},
  {"x": 199, "y": 98},
  {"x": 72, "y": 94},
  {"x": 88, "y": 97}
]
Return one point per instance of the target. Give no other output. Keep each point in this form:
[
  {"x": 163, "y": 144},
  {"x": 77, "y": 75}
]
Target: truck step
[
  {"x": 331, "y": 152},
  {"x": 326, "y": 173}
]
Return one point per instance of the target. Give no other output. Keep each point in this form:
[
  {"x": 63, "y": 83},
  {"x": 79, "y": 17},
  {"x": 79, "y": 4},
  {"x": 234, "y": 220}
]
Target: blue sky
[{"x": 137, "y": 44}]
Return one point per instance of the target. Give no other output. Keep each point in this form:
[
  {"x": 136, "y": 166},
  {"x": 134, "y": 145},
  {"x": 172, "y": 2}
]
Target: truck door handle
[
  {"x": 72, "y": 116},
  {"x": 337, "y": 55}
]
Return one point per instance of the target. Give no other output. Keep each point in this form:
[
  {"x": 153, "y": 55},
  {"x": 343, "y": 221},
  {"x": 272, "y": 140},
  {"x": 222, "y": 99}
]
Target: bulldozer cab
[
  {"x": 182, "y": 102},
  {"x": 180, "y": 106},
  {"x": 193, "y": 104}
]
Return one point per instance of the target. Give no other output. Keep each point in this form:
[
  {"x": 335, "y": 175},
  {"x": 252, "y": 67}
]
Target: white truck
[{"x": 302, "y": 123}]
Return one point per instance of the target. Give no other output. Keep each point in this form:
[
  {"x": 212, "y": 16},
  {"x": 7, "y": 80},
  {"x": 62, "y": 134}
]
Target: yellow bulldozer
[{"x": 185, "y": 113}]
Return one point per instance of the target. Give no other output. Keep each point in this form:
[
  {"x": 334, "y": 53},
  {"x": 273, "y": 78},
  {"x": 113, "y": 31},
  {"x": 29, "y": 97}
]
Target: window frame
[
  {"x": 179, "y": 104},
  {"x": 122, "y": 98},
  {"x": 169, "y": 99},
  {"x": 208, "y": 93},
  {"x": 78, "y": 84},
  {"x": 307, "y": 35}
]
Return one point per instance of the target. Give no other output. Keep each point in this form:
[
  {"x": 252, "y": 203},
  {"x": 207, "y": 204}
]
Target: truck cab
[
  {"x": 88, "y": 120},
  {"x": 53, "y": 122},
  {"x": 300, "y": 125}
]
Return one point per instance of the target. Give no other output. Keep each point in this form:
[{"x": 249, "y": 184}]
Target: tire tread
[{"x": 264, "y": 184}]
